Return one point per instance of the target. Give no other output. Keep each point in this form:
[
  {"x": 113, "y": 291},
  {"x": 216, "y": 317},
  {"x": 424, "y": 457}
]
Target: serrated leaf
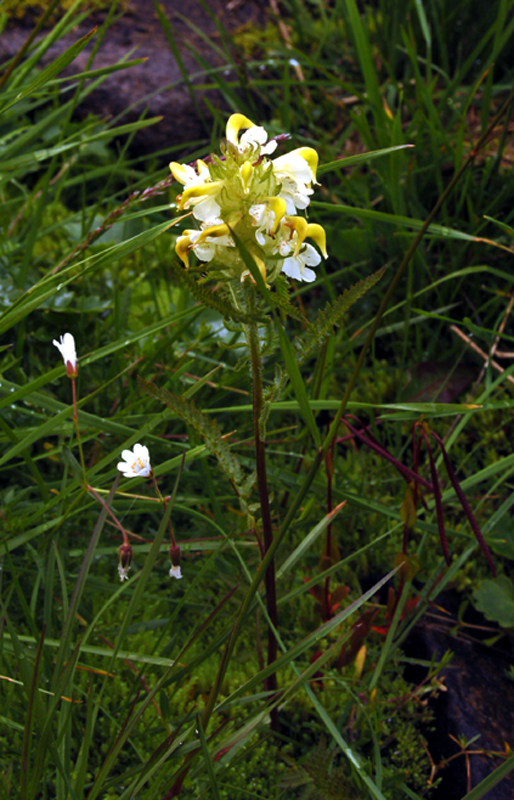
[
  {"x": 208, "y": 429},
  {"x": 310, "y": 341},
  {"x": 495, "y": 599},
  {"x": 208, "y": 298}
]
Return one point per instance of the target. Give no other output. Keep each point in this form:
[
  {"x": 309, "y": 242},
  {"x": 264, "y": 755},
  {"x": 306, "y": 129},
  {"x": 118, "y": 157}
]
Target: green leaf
[
  {"x": 298, "y": 383},
  {"x": 310, "y": 341},
  {"x": 53, "y": 69},
  {"x": 275, "y": 299},
  {"x": 501, "y": 539},
  {"x": 359, "y": 159},
  {"x": 495, "y": 599},
  {"x": 208, "y": 429}
]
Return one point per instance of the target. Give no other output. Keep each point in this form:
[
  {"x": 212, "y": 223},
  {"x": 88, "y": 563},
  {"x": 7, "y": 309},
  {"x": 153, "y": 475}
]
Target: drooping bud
[
  {"x": 175, "y": 561},
  {"x": 124, "y": 561}
]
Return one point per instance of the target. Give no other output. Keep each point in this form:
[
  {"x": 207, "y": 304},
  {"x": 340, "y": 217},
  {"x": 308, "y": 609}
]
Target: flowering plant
[{"x": 247, "y": 197}]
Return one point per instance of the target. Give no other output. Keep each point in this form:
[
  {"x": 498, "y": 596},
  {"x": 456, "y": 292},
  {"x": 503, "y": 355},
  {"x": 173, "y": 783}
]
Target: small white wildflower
[
  {"x": 136, "y": 463},
  {"x": 67, "y": 350}
]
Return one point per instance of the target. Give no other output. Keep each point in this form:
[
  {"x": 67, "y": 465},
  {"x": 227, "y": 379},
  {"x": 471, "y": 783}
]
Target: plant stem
[
  {"x": 77, "y": 430},
  {"x": 106, "y": 507},
  {"x": 252, "y": 336},
  {"x": 163, "y": 501}
]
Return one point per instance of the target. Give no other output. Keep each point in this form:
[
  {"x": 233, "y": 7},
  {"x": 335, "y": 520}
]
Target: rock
[
  {"x": 479, "y": 701},
  {"x": 158, "y": 83}
]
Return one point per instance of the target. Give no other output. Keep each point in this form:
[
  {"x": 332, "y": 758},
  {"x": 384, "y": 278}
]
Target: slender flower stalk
[
  {"x": 111, "y": 514},
  {"x": 66, "y": 347},
  {"x": 175, "y": 571},
  {"x": 125, "y": 550}
]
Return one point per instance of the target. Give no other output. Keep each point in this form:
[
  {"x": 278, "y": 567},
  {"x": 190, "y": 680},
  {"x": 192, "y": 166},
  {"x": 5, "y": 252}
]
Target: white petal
[
  {"x": 311, "y": 256},
  {"x": 175, "y": 573},
  {"x": 206, "y": 209},
  {"x": 140, "y": 451},
  {"x": 269, "y": 148}
]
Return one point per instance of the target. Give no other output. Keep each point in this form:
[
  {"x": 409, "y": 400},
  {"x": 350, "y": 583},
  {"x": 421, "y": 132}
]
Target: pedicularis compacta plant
[{"x": 251, "y": 235}]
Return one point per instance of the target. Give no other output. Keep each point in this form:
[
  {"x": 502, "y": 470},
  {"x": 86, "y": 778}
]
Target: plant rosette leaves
[{"x": 495, "y": 599}]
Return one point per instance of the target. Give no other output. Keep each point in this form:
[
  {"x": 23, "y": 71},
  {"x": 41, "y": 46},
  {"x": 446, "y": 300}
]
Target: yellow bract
[
  {"x": 235, "y": 124},
  {"x": 204, "y": 190},
  {"x": 310, "y": 156},
  {"x": 305, "y": 229}
]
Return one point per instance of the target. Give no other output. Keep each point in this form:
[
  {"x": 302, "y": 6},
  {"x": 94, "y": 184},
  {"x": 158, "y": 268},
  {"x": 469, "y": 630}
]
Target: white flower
[
  {"x": 198, "y": 189},
  {"x": 296, "y": 172},
  {"x": 254, "y": 137},
  {"x": 66, "y": 348},
  {"x": 296, "y": 266},
  {"x": 204, "y": 243},
  {"x": 175, "y": 572},
  {"x": 135, "y": 464},
  {"x": 123, "y": 572}
]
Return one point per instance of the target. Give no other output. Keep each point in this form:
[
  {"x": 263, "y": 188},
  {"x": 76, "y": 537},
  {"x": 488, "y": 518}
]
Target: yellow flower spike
[
  {"x": 183, "y": 246},
  {"x": 246, "y": 173},
  {"x": 279, "y": 206},
  {"x": 194, "y": 192},
  {"x": 235, "y": 124},
  {"x": 214, "y": 232},
  {"x": 311, "y": 157},
  {"x": 317, "y": 233}
]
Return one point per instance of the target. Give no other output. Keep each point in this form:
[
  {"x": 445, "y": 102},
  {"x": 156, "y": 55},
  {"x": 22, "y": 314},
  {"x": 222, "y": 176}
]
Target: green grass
[{"x": 105, "y": 686}]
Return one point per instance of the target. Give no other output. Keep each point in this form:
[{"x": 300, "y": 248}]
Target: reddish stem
[{"x": 116, "y": 520}]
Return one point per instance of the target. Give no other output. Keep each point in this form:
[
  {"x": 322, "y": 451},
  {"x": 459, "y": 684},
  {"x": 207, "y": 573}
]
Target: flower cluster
[{"x": 255, "y": 197}]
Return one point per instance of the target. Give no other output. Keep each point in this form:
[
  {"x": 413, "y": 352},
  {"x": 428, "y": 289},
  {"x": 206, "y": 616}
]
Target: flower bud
[
  {"x": 175, "y": 561},
  {"x": 124, "y": 561}
]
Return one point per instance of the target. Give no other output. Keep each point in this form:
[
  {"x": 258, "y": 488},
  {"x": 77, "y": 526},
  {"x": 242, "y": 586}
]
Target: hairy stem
[{"x": 252, "y": 336}]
